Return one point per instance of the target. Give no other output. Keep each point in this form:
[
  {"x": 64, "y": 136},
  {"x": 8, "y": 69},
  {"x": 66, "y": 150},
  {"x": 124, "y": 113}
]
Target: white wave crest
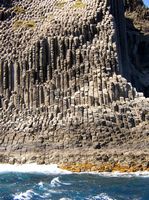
[
  {"x": 53, "y": 169},
  {"x": 128, "y": 175},
  {"x": 102, "y": 196},
  {"x": 40, "y": 184},
  {"x": 53, "y": 191},
  {"x": 32, "y": 168},
  {"x": 55, "y": 182},
  {"x": 24, "y": 195},
  {"x": 64, "y": 183},
  {"x": 139, "y": 174}
]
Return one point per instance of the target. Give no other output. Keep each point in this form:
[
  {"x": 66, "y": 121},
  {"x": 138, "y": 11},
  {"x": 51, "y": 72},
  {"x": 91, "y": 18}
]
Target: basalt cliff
[{"x": 74, "y": 83}]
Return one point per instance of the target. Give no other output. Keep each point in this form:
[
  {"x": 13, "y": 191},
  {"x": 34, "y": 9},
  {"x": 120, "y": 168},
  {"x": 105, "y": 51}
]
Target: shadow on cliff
[
  {"x": 6, "y": 3},
  {"x": 138, "y": 53}
]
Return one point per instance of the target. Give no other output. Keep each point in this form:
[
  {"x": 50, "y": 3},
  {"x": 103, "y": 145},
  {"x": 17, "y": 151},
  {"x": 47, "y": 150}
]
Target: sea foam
[
  {"x": 53, "y": 169},
  {"x": 24, "y": 195},
  {"x": 102, "y": 196},
  {"x": 55, "y": 182},
  {"x": 32, "y": 168},
  {"x": 139, "y": 174}
]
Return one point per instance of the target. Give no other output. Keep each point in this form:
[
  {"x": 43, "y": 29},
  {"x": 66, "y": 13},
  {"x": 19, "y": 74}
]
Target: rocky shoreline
[
  {"x": 122, "y": 163},
  {"x": 86, "y": 160}
]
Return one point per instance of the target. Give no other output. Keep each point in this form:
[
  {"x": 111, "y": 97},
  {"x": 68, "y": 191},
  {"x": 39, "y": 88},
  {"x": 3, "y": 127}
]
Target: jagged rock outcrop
[{"x": 64, "y": 81}]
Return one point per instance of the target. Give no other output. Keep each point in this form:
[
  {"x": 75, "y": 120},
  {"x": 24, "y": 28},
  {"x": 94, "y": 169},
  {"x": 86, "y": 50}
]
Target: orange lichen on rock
[{"x": 106, "y": 167}]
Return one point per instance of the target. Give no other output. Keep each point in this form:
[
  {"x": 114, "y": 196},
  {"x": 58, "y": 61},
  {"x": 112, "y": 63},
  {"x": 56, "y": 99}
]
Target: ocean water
[{"x": 32, "y": 182}]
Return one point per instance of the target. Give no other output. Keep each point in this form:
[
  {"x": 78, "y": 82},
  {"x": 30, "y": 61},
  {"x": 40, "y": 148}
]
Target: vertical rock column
[
  {"x": 43, "y": 60},
  {"x": 117, "y": 9}
]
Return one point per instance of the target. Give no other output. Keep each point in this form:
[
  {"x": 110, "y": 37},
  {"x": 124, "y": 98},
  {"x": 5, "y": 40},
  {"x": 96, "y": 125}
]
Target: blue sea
[{"x": 33, "y": 182}]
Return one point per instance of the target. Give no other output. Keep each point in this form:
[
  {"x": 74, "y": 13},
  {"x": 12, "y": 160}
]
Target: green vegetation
[
  {"x": 18, "y": 24},
  {"x": 79, "y": 4},
  {"x": 60, "y": 4},
  {"x": 23, "y": 23},
  {"x": 19, "y": 10},
  {"x": 29, "y": 24},
  {"x": 50, "y": 17},
  {"x": 139, "y": 18}
]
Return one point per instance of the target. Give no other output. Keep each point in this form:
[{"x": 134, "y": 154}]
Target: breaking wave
[
  {"x": 102, "y": 196},
  {"x": 24, "y": 195},
  {"x": 55, "y": 182},
  {"x": 32, "y": 168},
  {"x": 53, "y": 169},
  {"x": 139, "y": 174}
]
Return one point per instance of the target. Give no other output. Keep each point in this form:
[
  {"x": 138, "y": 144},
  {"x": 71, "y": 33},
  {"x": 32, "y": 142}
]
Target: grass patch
[
  {"x": 50, "y": 17},
  {"x": 29, "y": 24},
  {"x": 79, "y": 4},
  {"x": 23, "y": 23},
  {"x": 60, "y": 4},
  {"x": 19, "y": 10},
  {"x": 18, "y": 24}
]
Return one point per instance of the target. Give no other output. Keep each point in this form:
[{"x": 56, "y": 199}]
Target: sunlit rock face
[{"x": 70, "y": 78}]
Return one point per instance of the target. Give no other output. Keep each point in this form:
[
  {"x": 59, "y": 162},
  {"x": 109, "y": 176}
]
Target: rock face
[
  {"x": 138, "y": 40},
  {"x": 65, "y": 85}
]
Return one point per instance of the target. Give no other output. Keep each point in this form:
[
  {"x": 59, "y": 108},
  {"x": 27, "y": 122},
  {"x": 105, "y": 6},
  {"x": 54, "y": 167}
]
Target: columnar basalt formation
[{"x": 63, "y": 83}]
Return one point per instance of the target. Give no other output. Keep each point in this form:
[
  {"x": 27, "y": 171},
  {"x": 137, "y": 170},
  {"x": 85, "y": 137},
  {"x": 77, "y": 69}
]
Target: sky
[{"x": 146, "y": 2}]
